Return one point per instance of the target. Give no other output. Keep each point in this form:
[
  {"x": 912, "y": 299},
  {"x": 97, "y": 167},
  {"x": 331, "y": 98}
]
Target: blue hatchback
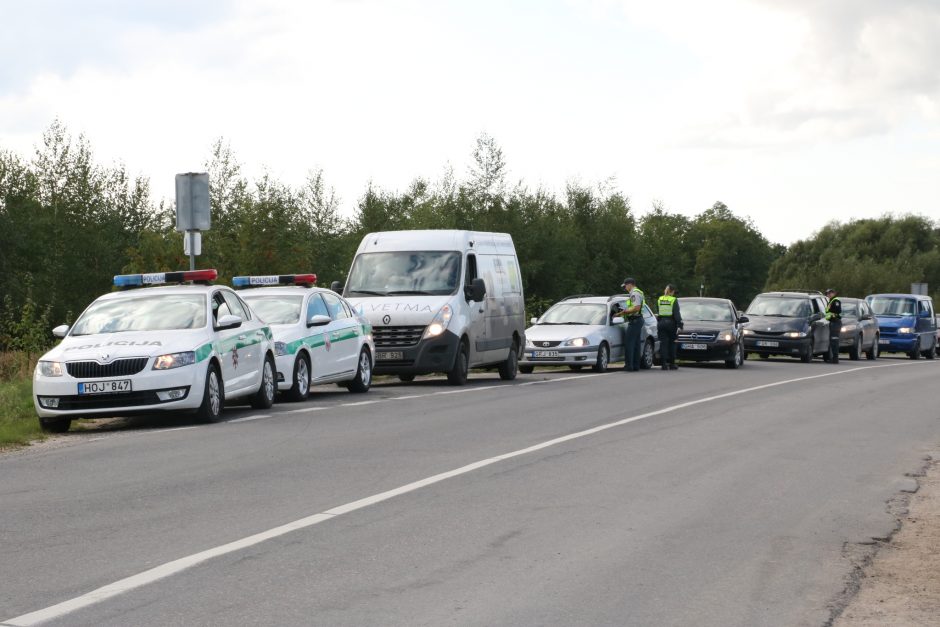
[{"x": 906, "y": 324}]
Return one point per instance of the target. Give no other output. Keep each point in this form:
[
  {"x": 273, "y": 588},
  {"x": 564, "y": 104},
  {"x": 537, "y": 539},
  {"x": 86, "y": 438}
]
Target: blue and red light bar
[
  {"x": 268, "y": 280},
  {"x": 163, "y": 278}
]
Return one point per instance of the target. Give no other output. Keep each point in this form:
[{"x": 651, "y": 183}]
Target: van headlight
[
  {"x": 174, "y": 360},
  {"x": 50, "y": 368},
  {"x": 439, "y": 322},
  {"x": 906, "y": 330},
  {"x": 577, "y": 341}
]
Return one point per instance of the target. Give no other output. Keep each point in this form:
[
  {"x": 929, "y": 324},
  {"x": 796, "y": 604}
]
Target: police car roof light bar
[
  {"x": 161, "y": 278},
  {"x": 306, "y": 280}
]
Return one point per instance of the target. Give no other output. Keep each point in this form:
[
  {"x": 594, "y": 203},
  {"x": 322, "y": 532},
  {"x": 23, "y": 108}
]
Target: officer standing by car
[
  {"x": 669, "y": 321},
  {"x": 634, "y": 315},
  {"x": 834, "y": 316}
]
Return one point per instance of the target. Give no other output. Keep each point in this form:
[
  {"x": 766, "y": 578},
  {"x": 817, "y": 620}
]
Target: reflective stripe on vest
[
  {"x": 665, "y": 305},
  {"x": 829, "y": 314}
]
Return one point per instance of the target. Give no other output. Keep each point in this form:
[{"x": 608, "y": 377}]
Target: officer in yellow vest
[
  {"x": 669, "y": 321},
  {"x": 834, "y": 316},
  {"x": 634, "y": 316}
]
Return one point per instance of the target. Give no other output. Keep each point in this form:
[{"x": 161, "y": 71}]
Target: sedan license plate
[
  {"x": 545, "y": 353},
  {"x": 388, "y": 355},
  {"x": 694, "y": 347},
  {"x": 883, "y": 341},
  {"x": 768, "y": 343},
  {"x": 105, "y": 387}
]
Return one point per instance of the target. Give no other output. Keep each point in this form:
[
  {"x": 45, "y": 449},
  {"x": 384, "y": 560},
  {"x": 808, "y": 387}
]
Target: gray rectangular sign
[{"x": 192, "y": 202}]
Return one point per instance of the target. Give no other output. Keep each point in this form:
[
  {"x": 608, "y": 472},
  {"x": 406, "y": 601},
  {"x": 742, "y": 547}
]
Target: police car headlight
[
  {"x": 280, "y": 348},
  {"x": 906, "y": 330},
  {"x": 578, "y": 341},
  {"x": 439, "y": 322},
  {"x": 747, "y": 332},
  {"x": 50, "y": 368},
  {"x": 174, "y": 360}
]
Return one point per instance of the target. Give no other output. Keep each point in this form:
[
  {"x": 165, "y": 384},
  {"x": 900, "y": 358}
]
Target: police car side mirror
[
  {"x": 61, "y": 331},
  {"x": 617, "y": 320},
  {"x": 476, "y": 291},
  {"x": 337, "y": 287},
  {"x": 318, "y": 320},
  {"x": 228, "y": 322}
]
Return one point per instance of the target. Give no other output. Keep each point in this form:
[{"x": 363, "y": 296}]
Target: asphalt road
[{"x": 704, "y": 496}]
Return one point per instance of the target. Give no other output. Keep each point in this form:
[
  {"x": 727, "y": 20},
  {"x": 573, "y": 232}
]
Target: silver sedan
[{"x": 584, "y": 331}]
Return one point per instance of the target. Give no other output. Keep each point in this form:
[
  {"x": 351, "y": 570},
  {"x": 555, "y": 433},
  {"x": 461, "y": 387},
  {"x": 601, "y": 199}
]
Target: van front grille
[{"x": 397, "y": 336}]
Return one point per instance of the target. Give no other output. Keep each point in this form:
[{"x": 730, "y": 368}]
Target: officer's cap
[
  {"x": 629, "y": 281},
  {"x": 829, "y": 290}
]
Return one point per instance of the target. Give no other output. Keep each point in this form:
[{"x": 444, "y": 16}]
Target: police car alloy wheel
[
  {"x": 363, "y": 380},
  {"x": 301, "y": 387},
  {"x": 264, "y": 398},
  {"x": 213, "y": 399}
]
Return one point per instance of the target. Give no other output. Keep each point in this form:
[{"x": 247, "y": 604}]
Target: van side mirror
[
  {"x": 228, "y": 322},
  {"x": 337, "y": 287},
  {"x": 318, "y": 320},
  {"x": 476, "y": 291},
  {"x": 61, "y": 331}
]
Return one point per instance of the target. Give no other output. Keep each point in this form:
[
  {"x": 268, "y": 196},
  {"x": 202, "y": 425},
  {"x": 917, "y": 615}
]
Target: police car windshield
[
  {"x": 886, "y": 306},
  {"x": 706, "y": 312},
  {"x": 782, "y": 307},
  {"x": 163, "y": 312},
  {"x": 575, "y": 313},
  {"x": 276, "y": 309},
  {"x": 405, "y": 272}
]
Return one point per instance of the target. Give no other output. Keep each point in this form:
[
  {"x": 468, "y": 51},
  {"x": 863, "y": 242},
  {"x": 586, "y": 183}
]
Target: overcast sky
[{"x": 793, "y": 113}]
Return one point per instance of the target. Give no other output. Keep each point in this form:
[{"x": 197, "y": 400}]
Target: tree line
[{"x": 68, "y": 224}]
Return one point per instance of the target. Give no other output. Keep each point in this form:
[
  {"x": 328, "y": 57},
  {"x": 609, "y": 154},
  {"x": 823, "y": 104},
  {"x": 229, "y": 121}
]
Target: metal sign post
[{"x": 192, "y": 211}]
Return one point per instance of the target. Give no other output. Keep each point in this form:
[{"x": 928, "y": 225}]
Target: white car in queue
[
  {"x": 318, "y": 336},
  {"x": 146, "y": 349}
]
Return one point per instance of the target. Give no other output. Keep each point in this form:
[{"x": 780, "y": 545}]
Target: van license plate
[
  {"x": 389, "y": 355},
  {"x": 694, "y": 347},
  {"x": 545, "y": 354},
  {"x": 881, "y": 341},
  {"x": 768, "y": 343},
  {"x": 105, "y": 387}
]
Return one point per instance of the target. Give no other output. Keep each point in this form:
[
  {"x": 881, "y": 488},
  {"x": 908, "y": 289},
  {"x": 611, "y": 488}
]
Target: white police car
[
  {"x": 318, "y": 336},
  {"x": 170, "y": 348}
]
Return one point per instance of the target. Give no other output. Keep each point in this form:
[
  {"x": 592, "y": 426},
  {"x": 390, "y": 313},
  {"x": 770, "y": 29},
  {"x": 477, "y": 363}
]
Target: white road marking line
[
  {"x": 176, "y": 566},
  {"x": 305, "y": 410},
  {"x": 167, "y": 430},
  {"x": 249, "y": 418},
  {"x": 360, "y": 403},
  {"x": 407, "y": 398}
]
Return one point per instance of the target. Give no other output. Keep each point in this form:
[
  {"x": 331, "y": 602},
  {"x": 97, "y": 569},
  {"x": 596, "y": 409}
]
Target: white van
[{"x": 440, "y": 301}]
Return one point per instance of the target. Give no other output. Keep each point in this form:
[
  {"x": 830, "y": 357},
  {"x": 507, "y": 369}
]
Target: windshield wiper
[
  {"x": 369, "y": 292},
  {"x": 409, "y": 292}
]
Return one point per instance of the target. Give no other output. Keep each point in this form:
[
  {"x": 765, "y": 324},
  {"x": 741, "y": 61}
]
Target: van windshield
[
  {"x": 433, "y": 273},
  {"x": 782, "y": 307},
  {"x": 887, "y": 306}
]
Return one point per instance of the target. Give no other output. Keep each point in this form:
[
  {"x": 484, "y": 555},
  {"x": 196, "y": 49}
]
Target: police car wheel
[
  {"x": 646, "y": 359},
  {"x": 458, "y": 374},
  {"x": 363, "y": 380},
  {"x": 300, "y": 390},
  {"x": 603, "y": 358},
  {"x": 213, "y": 397},
  {"x": 510, "y": 368},
  {"x": 55, "y": 425},
  {"x": 264, "y": 397}
]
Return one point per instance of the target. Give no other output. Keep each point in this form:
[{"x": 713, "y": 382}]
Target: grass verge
[{"x": 18, "y": 423}]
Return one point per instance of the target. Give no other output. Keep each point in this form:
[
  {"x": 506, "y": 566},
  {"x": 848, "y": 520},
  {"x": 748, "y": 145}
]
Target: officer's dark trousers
[
  {"x": 835, "y": 331},
  {"x": 632, "y": 343},
  {"x": 667, "y": 341}
]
